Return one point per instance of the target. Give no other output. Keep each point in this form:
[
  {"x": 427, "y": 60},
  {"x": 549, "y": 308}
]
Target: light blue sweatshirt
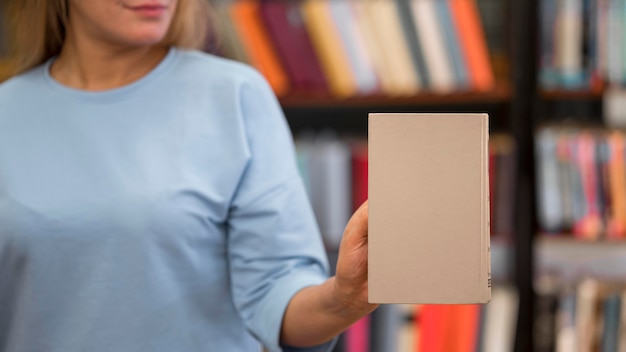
[{"x": 166, "y": 215}]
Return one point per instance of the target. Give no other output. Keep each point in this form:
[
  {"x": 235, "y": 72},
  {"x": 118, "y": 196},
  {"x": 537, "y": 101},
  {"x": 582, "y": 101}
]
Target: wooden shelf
[
  {"x": 574, "y": 259},
  {"x": 500, "y": 94},
  {"x": 559, "y": 94}
]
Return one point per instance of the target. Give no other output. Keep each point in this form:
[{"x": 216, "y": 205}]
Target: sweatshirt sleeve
[{"x": 274, "y": 245}]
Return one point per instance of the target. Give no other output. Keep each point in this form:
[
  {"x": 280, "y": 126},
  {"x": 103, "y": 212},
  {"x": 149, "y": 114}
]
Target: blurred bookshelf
[
  {"x": 562, "y": 94},
  {"x": 579, "y": 255},
  {"x": 459, "y": 56},
  {"x": 575, "y": 259},
  {"x": 332, "y": 62},
  {"x": 500, "y": 94}
]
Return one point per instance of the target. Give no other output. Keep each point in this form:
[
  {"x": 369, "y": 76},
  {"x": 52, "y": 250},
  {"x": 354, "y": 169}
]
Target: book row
[
  {"x": 581, "y": 182},
  {"x": 587, "y": 316},
  {"x": 462, "y": 328},
  {"x": 334, "y": 171},
  {"x": 582, "y": 44},
  {"x": 437, "y": 328},
  {"x": 346, "y": 48}
]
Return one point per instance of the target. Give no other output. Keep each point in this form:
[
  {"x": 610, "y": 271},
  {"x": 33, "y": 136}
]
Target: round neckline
[{"x": 109, "y": 93}]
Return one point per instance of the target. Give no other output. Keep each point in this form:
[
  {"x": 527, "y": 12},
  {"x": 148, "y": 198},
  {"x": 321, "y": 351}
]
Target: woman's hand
[
  {"x": 351, "y": 277},
  {"x": 317, "y": 313}
]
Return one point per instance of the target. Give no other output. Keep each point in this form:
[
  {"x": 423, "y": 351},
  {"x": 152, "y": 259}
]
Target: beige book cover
[{"x": 428, "y": 208}]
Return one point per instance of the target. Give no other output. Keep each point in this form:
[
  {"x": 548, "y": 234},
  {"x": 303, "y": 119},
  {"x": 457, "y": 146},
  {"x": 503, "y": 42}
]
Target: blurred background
[{"x": 548, "y": 72}]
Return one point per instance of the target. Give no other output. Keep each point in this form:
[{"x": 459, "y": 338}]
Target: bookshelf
[
  {"x": 508, "y": 97},
  {"x": 500, "y": 94},
  {"x": 566, "y": 265},
  {"x": 573, "y": 260}
]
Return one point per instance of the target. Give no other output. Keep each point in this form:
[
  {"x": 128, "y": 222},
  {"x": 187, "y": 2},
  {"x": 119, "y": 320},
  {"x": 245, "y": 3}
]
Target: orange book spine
[
  {"x": 466, "y": 319},
  {"x": 256, "y": 40},
  {"x": 473, "y": 43},
  {"x": 433, "y": 325},
  {"x": 617, "y": 185}
]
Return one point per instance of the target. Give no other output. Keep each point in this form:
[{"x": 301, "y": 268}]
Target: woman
[{"x": 149, "y": 198}]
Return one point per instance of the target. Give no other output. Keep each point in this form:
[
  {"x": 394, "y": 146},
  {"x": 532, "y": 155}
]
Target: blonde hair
[{"x": 35, "y": 30}]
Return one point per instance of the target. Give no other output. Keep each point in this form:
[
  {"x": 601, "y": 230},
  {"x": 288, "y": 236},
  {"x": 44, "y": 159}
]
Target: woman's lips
[{"x": 149, "y": 10}]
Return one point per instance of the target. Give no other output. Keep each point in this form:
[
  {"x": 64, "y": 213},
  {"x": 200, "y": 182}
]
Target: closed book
[
  {"x": 329, "y": 48},
  {"x": 615, "y": 38},
  {"x": 611, "y": 310},
  {"x": 500, "y": 320},
  {"x": 566, "y": 323},
  {"x": 395, "y": 50},
  {"x": 548, "y": 75},
  {"x": 357, "y": 336},
  {"x": 230, "y": 45},
  {"x": 586, "y": 314},
  {"x": 473, "y": 43},
  {"x": 330, "y": 187},
  {"x": 384, "y": 328},
  {"x": 546, "y": 305},
  {"x": 287, "y": 29},
  {"x": 413, "y": 42},
  {"x": 351, "y": 40},
  {"x": 549, "y": 198},
  {"x": 452, "y": 43},
  {"x": 622, "y": 324},
  {"x": 359, "y": 174},
  {"x": 505, "y": 185},
  {"x": 425, "y": 169},
  {"x": 568, "y": 53},
  {"x": 431, "y": 36},
  {"x": 434, "y": 328},
  {"x": 259, "y": 47},
  {"x": 465, "y": 321},
  {"x": 617, "y": 186},
  {"x": 407, "y": 334},
  {"x": 589, "y": 224},
  {"x": 493, "y": 176},
  {"x": 366, "y": 19}
]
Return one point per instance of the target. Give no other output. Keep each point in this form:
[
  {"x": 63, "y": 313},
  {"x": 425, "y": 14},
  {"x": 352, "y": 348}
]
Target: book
[
  {"x": 616, "y": 227},
  {"x": 366, "y": 18},
  {"x": 330, "y": 177},
  {"x": 544, "y": 325},
  {"x": 357, "y": 336},
  {"x": 259, "y": 47},
  {"x": 412, "y": 39},
  {"x": 424, "y": 170},
  {"x": 568, "y": 50},
  {"x": 492, "y": 187},
  {"x": 330, "y": 51},
  {"x": 611, "y": 309},
  {"x": 229, "y": 46},
  {"x": 622, "y": 325},
  {"x": 386, "y": 321},
  {"x": 432, "y": 39},
  {"x": 566, "y": 322},
  {"x": 549, "y": 197},
  {"x": 434, "y": 328},
  {"x": 506, "y": 159},
  {"x": 394, "y": 48},
  {"x": 548, "y": 75},
  {"x": 359, "y": 174},
  {"x": 500, "y": 321},
  {"x": 360, "y": 64},
  {"x": 465, "y": 321},
  {"x": 452, "y": 43},
  {"x": 473, "y": 44},
  {"x": 286, "y": 27},
  {"x": 586, "y": 314}
]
